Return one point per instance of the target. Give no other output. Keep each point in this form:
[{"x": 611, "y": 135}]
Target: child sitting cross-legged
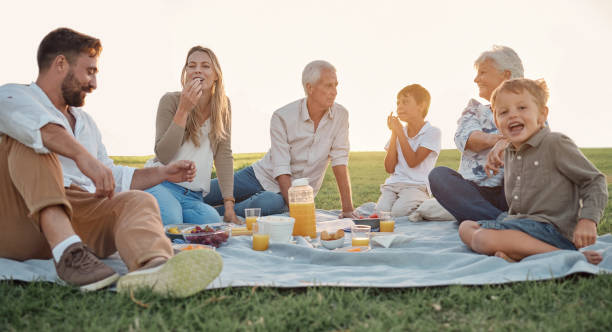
[
  {"x": 412, "y": 152},
  {"x": 555, "y": 195}
]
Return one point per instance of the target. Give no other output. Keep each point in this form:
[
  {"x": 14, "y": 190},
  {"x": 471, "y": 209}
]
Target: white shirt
[
  {"x": 300, "y": 151},
  {"x": 428, "y": 137},
  {"x": 202, "y": 156},
  {"x": 24, "y": 109}
]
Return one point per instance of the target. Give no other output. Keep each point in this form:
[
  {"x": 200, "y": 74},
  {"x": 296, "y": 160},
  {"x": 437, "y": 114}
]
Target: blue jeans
[
  {"x": 248, "y": 193},
  {"x": 464, "y": 199},
  {"x": 540, "y": 230},
  {"x": 180, "y": 205}
]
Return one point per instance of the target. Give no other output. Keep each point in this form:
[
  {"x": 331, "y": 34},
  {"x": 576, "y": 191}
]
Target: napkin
[{"x": 391, "y": 240}]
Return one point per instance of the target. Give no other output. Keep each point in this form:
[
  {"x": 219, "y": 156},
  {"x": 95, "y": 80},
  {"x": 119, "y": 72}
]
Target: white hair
[
  {"x": 505, "y": 59},
  {"x": 312, "y": 72}
]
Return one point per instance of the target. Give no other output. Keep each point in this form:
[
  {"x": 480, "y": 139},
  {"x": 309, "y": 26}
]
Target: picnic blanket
[{"x": 417, "y": 254}]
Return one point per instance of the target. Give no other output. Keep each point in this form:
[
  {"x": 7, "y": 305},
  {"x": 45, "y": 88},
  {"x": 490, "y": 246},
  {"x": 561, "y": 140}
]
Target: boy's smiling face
[
  {"x": 518, "y": 116},
  {"x": 408, "y": 109}
]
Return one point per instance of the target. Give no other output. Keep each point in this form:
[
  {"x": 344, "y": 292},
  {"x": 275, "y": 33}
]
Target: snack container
[
  {"x": 180, "y": 228},
  {"x": 374, "y": 223},
  {"x": 333, "y": 244},
  {"x": 219, "y": 235}
]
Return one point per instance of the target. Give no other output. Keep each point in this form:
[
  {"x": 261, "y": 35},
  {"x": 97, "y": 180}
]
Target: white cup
[{"x": 280, "y": 228}]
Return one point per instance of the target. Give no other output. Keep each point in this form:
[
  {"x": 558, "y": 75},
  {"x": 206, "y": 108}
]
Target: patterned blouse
[{"x": 476, "y": 117}]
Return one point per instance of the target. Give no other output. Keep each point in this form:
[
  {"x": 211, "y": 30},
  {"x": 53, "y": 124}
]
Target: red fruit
[{"x": 373, "y": 215}]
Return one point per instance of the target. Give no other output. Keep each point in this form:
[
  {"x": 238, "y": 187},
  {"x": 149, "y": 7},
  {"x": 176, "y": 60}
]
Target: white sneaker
[{"x": 183, "y": 275}]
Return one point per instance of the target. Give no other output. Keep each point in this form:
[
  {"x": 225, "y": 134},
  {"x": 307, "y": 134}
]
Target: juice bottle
[{"x": 302, "y": 208}]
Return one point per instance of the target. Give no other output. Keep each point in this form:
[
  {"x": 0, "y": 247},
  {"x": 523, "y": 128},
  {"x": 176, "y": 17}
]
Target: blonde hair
[
  {"x": 536, "y": 88},
  {"x": 220, "y": 117}
]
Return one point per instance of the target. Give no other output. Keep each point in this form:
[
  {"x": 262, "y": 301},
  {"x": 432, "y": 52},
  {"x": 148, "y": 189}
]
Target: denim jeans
[
  {"x": 248, "y": 193},
  {"x": 540, "y": 230},
  {"x": 180, "y": 205},
  {"x": 464, "y": 199}
]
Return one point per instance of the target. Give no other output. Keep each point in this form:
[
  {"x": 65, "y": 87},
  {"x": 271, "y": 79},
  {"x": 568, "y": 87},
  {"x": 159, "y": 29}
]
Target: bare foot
[
  {"x": 505, "y": 257},
  {"x": 592, "y": 257}
]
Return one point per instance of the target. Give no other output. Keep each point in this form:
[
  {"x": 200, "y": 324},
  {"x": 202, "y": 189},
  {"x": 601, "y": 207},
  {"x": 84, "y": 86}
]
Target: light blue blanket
[{"x": 427, "y": 254}]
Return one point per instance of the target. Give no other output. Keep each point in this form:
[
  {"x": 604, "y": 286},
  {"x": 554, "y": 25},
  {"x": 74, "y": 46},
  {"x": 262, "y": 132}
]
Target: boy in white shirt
[{"x": 412, "y": 152}]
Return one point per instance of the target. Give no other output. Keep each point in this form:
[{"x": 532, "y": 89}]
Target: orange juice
[
  {"x": 260, "y": 241},
  {"x": 360, "y": 241},
  {"x": 304, "y": 215},
  {"x": 250, "y": 221},
  {"x": 387, "y": 225}
]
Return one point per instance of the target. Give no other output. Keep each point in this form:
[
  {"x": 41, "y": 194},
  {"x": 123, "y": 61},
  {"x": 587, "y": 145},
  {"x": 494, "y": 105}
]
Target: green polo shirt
[{"x": 549, "y": 180}]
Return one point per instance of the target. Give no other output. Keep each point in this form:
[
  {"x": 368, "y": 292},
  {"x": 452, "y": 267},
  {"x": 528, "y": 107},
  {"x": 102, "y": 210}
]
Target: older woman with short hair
[{"x": 470, "y": 193}]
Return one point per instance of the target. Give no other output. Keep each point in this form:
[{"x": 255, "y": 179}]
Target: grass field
[{"x": 578, "y": 303}]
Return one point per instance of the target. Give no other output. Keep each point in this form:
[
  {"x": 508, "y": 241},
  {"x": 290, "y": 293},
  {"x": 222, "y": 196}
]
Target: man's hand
[
  {"x": 495, "y": 157},
  {"x": 585, "y": 233},
  {"x": 349, "y": 214},
  {"x": 179, "y": 171},
  {"x": 101, "y": 175}
]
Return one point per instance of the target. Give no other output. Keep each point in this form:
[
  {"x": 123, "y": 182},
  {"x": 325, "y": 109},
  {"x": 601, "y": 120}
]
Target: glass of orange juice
[
  {"x": 260, "y": 239},
  {"x": 387, "y": 224},
  {"x": 360, "y": 235},
  {"x": 251, "y": 216}
]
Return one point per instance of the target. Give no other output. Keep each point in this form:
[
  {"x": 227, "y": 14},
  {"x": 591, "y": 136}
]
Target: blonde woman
[{"x": 194, "y": 124}]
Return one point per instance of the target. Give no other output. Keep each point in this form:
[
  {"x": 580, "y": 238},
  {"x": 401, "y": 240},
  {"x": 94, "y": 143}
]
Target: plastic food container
[
  {"x": 209, "y": 235},
  {"x": 333, "y": 244}
]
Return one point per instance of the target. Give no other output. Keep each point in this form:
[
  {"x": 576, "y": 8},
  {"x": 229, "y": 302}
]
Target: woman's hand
[
  {"x": 230, "y": 214},
  {"x": 192, "y": 91}
]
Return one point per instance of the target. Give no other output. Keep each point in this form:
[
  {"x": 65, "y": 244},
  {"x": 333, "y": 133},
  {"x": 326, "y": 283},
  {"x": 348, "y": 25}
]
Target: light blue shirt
[{"x": 476, "y": 117}]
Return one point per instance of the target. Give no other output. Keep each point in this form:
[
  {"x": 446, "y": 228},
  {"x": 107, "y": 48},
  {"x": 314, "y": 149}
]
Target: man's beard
[{"x": 72, "y": 91}]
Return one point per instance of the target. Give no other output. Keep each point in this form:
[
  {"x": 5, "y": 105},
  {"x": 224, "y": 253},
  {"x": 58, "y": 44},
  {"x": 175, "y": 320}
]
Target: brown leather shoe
[{"x": 79, "y": 267}]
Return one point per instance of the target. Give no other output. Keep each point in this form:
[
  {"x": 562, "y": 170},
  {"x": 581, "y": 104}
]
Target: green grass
[{"x": 578, "y": 303}]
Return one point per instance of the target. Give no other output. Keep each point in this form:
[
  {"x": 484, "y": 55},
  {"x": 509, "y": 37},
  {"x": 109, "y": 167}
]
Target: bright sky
[{"x": 378, "y": 47}]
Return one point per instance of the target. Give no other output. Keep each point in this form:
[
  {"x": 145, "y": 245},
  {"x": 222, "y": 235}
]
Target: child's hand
[
  {"x": 389, "y": 118},
  {"x": 395, "y": 125},
  {"x": 585, "y": 233},
  {"x": 495, "y": 157}
]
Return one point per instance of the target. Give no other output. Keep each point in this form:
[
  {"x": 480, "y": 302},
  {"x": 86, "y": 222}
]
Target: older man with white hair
[
  {"x": 470, "y": 193},
  {"x": 306, "y": 135}
]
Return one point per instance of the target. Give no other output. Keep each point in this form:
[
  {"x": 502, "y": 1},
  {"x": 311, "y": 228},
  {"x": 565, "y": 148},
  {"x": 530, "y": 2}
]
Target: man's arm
[
  {"x": 344, "y": 188},
  {"x": 284, "y": 182},
  {"x": 178, "y": 171},
  {"x": 58, "y": 140}
]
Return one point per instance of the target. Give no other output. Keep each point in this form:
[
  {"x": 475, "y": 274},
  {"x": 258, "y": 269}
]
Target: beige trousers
[
  {"x": 401, "y": 198},
  {"x": 29, "y": 182}
]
